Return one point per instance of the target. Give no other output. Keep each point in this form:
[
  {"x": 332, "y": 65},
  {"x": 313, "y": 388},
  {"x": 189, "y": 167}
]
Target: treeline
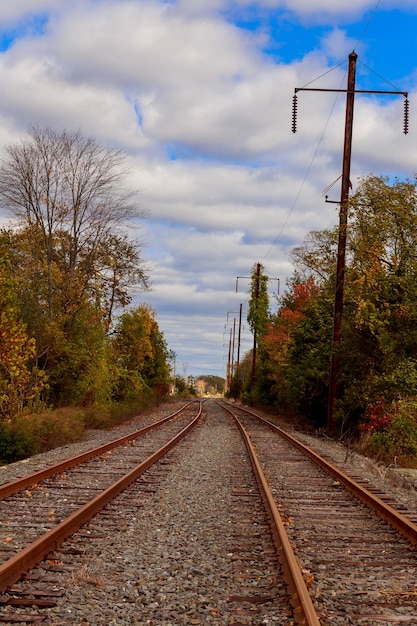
[
  {"x": 205, "y": 384},
  {"x": 211, "y": 384},
  {"x": 66, "y": 267},
  {"x": 378, "y": 352}
]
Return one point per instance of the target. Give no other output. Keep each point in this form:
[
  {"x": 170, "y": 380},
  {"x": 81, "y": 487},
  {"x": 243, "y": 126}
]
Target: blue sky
[{"x": 198, "y": 94}]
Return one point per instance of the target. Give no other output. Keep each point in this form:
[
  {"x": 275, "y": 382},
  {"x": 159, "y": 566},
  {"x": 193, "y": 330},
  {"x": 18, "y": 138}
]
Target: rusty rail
[
  {"x": 12, "y": 570},
  {"x": 398, "y": 521},
  {"x": 304, "y": 611},
  {"x": 7, "y": 489}
]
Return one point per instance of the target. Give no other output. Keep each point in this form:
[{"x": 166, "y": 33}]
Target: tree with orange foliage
[
  {"x": 20, "y": 380},
  {"x": 295, "y": 366}
]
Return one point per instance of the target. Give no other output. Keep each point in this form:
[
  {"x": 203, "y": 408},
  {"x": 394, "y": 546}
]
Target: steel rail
[
  {"x": 304, "y": 611},
  {"x": 14, "y": 486},
  {"x": 15, "y": 567},
  {"x": 398, "y": 521}
]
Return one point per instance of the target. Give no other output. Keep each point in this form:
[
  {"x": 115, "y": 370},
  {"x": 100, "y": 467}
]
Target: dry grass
[{"x": 87, "y": 574}]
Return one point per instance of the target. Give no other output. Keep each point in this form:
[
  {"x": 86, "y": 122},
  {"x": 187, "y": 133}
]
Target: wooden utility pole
[
  {"x": 257, "y": 278},
  {"x": 239, "y": 333},
  {"x": 255, "y": 334},
  {"x": 343, "y": 218},
  {"x": 228, "y": 362},
  {"x": 233, "y": 365},
  {"x": 341, "y": 248}
]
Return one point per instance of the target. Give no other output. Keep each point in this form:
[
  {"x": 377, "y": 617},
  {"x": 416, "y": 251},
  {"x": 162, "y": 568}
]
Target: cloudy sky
[{"x": 198, "y": 93}]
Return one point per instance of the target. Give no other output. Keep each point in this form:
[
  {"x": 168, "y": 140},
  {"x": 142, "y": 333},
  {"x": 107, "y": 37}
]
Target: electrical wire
[
  {"x": 304, "y": 179},
  {"x": 290, "y": 211},
  {"x": 371, "y": 17}
]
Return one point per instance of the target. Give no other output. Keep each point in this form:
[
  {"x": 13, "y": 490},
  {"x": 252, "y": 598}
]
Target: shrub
[
  {"x": 26, "y": 435},
  {"x": 378, "y": 419},
  {"x": 397, "y": 442},
  {"x": 15, "y": 444},
  {"x": 58, "y": 427}
]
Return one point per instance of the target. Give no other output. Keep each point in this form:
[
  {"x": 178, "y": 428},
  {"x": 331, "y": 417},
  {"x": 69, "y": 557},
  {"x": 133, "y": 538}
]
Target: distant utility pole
[
  {"x": 257, "y": 278},
  {"x": 258, "y": 271},
  {"x": 232, "y": 345},
  {"x": 239, "y": 332},
  {"x": 228, "y": 362},
  {"x": 255, "y": 333},
  {"x": 343, "y": 215}
]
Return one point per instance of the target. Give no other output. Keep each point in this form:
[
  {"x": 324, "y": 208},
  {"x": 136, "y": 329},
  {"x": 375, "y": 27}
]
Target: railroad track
[
  {"x": 355, "y": 546},
  {"x": 253, "y": 584},
  {"x": 306, "y": 552},
  {"x": 40, "y": 510}
]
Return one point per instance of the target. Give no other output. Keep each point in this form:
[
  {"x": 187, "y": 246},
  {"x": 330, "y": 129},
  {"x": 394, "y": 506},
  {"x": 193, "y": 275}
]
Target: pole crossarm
[
  {"x": 249, "y": 277},
  {"x": 396, "y": 93},
  {"x": 351, "y": 91},
  {"x": 237, "y": 280}
]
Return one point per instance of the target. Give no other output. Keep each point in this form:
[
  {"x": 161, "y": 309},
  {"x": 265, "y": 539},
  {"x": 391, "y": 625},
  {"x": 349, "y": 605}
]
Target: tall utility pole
[
  {"x": 341, "y": 248},
  {"x": 232, "y": 364},
  {"x": 255, "y": 334},
  {"x": 256, "y": 279},
  {"x": 228, "y": 362},
  {"x": 239, "y": 333},
  {"x": 343, "y": 218}
]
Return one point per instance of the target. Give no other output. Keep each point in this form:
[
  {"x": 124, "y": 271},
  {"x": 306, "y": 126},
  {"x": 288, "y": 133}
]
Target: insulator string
[
  {"x": 406, "y": 107},
  {"x": 294, "y": 113}
]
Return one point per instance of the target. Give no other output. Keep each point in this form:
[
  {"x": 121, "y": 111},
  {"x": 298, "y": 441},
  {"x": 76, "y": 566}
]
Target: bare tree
[{"x": 71, "y": 192}]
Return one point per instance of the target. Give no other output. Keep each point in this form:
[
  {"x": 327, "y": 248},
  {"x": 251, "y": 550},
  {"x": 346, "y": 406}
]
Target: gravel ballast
[
  {"x": 170, "y": 560},
  {"x": 174, "y": 557}
]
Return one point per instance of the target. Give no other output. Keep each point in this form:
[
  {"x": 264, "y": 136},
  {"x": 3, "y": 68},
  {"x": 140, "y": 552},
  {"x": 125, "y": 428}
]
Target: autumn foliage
[
  {"x": 67, "y": 273},
  {"x": 21, "y": 382},
  {"x": 378, "y": 351}
]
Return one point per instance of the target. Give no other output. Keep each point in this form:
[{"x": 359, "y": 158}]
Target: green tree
[
  {"x": 383, "y": 289},
  {"x": 72, "y": 264},
  {"x": 21, "y": 382},
  {"x": 140, "y": 354},
  {"x": 296, "y": 350},
  {"x": 258, "y": 317},
  {"x": 378, "y": 352},
  {"x": 258, "y": 306},
  {"x": 69, "y": 194}
]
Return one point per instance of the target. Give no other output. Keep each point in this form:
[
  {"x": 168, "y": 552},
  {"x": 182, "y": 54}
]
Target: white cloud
[
  {"x": 148, "y": 44},
  {"x": 13, "y": 11},
  {"x": 37, "y": 91},
  {"x": 319, "y": 8},
  {"x": 336, "y": 43},
  {"x": 205, "y": 118}
]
